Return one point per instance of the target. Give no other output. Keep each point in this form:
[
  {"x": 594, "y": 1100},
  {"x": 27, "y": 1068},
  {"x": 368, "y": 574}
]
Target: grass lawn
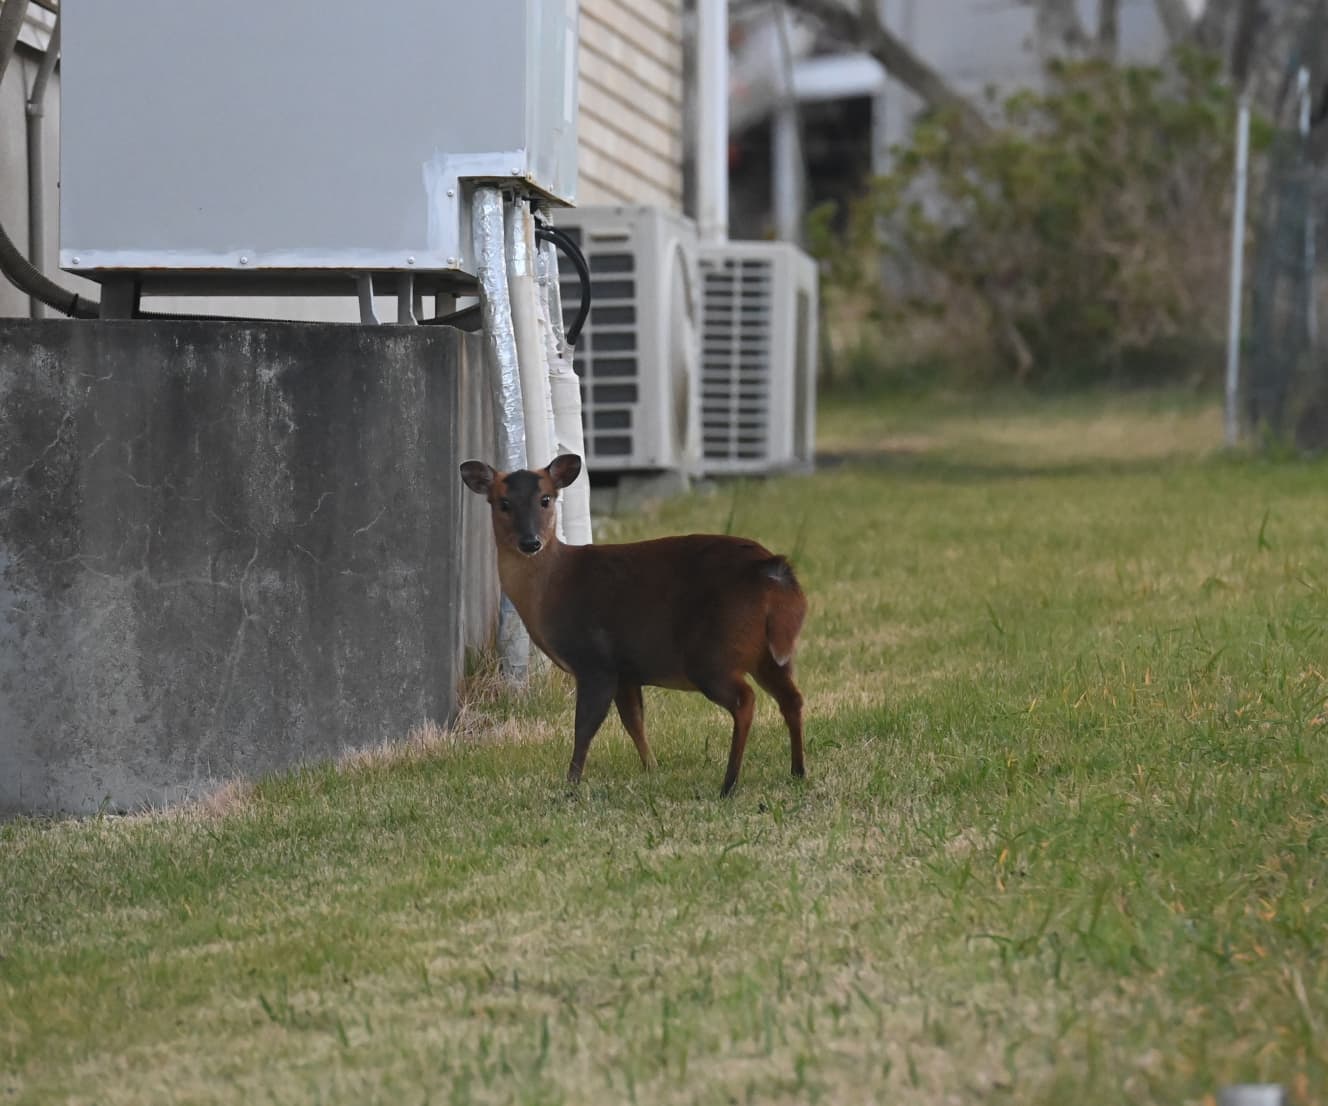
[{"x": 1063, "y": 840}]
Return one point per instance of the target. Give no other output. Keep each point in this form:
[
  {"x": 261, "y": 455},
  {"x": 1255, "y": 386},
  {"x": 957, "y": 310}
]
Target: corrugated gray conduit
[
  {"x": 12, "y": 262},
  {"x": 505, "y": 381}
]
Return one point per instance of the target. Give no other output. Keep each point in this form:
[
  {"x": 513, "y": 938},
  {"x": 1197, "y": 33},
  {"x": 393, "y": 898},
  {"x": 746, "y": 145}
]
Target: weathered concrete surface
[{"x": 224, "y": 549}]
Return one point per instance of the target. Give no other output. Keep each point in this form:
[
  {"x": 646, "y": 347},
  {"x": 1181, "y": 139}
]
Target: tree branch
[{"x": 864, "y": 28}]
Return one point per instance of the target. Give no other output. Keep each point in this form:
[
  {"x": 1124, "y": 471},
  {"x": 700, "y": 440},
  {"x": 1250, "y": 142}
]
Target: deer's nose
[{"x": 530, "y": 545}]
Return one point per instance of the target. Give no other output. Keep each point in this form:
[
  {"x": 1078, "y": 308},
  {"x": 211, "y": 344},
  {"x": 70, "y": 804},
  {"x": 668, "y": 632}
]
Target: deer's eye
[
  {"x": 545, "y": 501},
  {"x": 504, "y": 505}
]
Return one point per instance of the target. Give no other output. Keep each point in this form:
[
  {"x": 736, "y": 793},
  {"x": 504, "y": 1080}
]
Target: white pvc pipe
[
  {"x": 565, "y": 390},
  {"x": 712, "y": 117},
  {"x": 1303, "y": 92},
  {"x": 786, "y": 144},
  {"x": 787, "y": 173},
  {"x": 1237, "y": 271},
  {"x": 505, "y": 380},
  {"x": 1311, "y": 297}
]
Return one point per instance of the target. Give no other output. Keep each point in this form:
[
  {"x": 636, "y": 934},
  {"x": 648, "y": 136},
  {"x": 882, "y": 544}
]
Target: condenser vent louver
[
  {"x": 638, "y": 353},
  {"x": 758, "y": 357}
]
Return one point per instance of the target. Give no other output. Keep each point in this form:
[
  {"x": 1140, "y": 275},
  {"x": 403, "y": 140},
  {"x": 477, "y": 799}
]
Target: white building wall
[{"x": 630, "y": 145}]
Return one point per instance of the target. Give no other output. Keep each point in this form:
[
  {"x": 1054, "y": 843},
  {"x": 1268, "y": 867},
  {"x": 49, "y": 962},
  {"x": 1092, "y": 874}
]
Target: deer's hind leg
[
  {"x": 778, "y": 681},
  {"x": 632, "y": 711},
  {"x": 735, "y": 695}
]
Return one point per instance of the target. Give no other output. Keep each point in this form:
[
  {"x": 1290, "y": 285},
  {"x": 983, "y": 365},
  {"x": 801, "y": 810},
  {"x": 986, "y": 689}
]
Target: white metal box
[
  {"x": 758, "y": 357},
  {"x": 289, "y": 139},
  {"x": 638, "y": 355}
]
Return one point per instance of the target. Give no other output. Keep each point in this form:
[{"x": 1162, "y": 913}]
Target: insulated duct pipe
[
  {"x": 552, "y": 347},
  {"x": 505, "y": 381},
  {"x": 565, "y": 390},
  {"x": 524, "y": 294},
  {"x": 36, "y": 114},
  {"x": 712, "y": 102}
]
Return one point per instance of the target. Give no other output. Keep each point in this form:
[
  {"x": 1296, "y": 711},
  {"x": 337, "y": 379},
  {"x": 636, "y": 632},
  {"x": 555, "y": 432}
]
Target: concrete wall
[{"x": 225, "y": 549}]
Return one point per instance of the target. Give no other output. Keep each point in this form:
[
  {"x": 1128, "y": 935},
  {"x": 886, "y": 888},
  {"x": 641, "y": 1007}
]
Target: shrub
[{"x": 1089, "y": 222}]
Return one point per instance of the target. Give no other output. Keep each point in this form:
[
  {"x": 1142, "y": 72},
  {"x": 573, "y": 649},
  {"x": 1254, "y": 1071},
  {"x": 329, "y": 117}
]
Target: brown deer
[{"x": 695, "y": 613}]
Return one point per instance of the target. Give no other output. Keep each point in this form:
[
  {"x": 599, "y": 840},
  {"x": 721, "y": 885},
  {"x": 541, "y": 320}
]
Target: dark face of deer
[{"x": 522, "y": 502}]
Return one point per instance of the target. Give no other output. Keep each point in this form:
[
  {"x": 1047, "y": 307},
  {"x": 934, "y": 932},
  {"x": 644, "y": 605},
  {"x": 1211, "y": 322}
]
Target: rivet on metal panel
[
  {"x": 244, "y": 260},
  {"x": 410, "y": 261},
  {"x": 516, "y": 172},
  {"x": 77, "y": 260},
  {"x": 451, "y": 262},
  {"x": 451, "y": 192}
]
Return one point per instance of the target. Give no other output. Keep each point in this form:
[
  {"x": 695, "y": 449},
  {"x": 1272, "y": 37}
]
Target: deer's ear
[
  {"x": 478, "y": 477},
  {"x": 564, "y": 470}
]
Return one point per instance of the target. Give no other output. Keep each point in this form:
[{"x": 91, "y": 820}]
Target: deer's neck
[{"x": 529, "y": 581}]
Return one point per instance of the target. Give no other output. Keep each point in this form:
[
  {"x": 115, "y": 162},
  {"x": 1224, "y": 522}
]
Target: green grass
[{"x": 1063, "y": 839}]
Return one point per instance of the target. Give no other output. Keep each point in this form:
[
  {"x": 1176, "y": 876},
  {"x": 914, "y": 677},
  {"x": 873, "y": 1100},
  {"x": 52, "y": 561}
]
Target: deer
[{"x": 699, "y": 612}]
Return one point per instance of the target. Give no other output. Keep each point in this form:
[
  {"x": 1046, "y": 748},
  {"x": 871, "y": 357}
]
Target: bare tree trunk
[
  {"x": 1058, "y": 28},
  {"x": 1294, "y": 37},
  {"x": 863, "y": 27},
  {"x": 1213, "y": 29},
  {"x": 1249, "y": 22},
  {"x": 1108, "y": 29},
  {"x": 1175, "y": 18}
]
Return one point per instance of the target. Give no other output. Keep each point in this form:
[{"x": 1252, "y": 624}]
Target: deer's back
[{"x": 656, "y": 611}]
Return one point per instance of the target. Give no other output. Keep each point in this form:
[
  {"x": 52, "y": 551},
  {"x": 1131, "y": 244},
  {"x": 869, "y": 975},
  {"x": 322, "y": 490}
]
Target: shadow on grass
[{"x": 964, "y": 470}]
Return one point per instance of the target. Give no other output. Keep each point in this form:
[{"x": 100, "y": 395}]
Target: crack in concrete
[{"x": 365, "y": 529}]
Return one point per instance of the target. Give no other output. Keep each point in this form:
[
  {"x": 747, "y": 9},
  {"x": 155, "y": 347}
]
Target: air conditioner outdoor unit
[
  {"x": 758, "y": 358},
  {"x": 638, "y": 355},
  {"x": 253, "y": 147}
]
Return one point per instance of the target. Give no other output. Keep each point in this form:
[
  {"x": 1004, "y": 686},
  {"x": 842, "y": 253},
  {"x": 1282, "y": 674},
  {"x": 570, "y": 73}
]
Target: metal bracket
[
  {"x": 365, "y": 287},
  {"x": 409, "y": 302},
  {"x": 120, "y": 298}
]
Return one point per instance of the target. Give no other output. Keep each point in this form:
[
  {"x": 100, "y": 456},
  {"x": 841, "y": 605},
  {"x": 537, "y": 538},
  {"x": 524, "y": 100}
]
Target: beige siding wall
[{"x": 631, "y": 102}]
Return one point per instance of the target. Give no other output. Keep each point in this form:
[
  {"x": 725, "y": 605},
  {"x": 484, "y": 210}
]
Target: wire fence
[{"x": 1285, "y": 393}]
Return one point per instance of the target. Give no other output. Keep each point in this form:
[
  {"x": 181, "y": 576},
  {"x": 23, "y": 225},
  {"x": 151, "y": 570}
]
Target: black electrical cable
[{"x": 564, "y": 242}]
